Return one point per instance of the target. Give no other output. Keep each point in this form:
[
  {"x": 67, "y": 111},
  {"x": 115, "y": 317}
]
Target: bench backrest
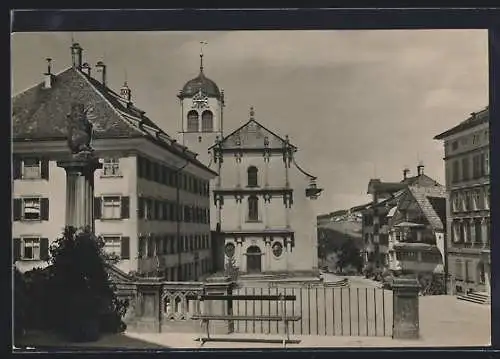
[{"x": 245, "y": 297}]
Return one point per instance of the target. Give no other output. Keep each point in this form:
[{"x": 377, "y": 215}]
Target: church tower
[{"x": 202, "y": 105}]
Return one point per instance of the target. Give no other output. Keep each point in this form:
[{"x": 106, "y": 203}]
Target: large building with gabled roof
[
  {"x": 152, "y": 200},
  {"x": 467, "y": 164}
]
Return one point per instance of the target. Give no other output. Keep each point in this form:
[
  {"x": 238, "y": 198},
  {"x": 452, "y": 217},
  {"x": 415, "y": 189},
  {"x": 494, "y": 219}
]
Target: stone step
[{"x": 478, "y": 299}]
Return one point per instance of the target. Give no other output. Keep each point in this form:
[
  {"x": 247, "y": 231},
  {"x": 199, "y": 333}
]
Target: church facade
[{"x": 262, "y": 212}]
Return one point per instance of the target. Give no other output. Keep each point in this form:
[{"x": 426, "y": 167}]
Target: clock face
[{"x": 200, "y": 100}]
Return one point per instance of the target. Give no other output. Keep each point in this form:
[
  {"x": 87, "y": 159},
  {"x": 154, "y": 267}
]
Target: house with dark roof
[
  {"x": 467, "y": 164},
  {"x": 152, "y": 198},
  {"x": 385, "y": 195},
  {"x": 417, "y": 228}
]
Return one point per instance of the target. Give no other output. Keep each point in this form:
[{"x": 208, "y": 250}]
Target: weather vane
[{"x": 201, "y": 53}]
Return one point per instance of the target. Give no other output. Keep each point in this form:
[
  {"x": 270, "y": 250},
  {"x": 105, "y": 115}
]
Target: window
[
  {"x": 277, "y": 249},
  {"x": 465, "y": 169},
  {"x": 30, "y": 248},
  {"x": 32, "y": 168},
  {"x": 486, "y": 163},
  {"x": 229, "y": 250},
  {"x": 192, "y": 121},
  {"x": 253, "y": 208},
  {"x": 477, "y": 166},
  {"x": 31, "y": 209},
  {"x": 455, "y": 177},
  {"x": 111, "y": 167},
  {"x": 112, "y": 245},
  {"x": 111, "y": 207},
  {"x": 252, "y": 176},
  {"x": 207, "y": 121}
]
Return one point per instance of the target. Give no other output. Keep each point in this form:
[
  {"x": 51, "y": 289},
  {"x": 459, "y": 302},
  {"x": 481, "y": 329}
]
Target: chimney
[
  {"x": 86, "y": 69},
  {"x": 76, "y": 55},
  {"x": 406, "y": 170},
  {"x": 48, "y": 75},
  {"x": 420, "y": 169},
  {"x": 101, "y": 70},
  {"x": 126, "y": 93}
]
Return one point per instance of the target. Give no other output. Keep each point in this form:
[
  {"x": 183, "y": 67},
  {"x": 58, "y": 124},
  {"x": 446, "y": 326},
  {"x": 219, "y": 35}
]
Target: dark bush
[{"x": 73, "y": 296}]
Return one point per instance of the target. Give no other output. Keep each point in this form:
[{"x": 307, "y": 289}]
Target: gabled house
[
  {"x": 417, "y": 228},
  {"x": 151, "y": 202}
]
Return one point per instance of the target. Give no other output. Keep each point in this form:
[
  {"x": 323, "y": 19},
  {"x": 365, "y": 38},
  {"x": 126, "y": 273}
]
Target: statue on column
[{"x": 79, "y": 130}]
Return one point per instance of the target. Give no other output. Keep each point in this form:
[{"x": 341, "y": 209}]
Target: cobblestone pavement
[{"x": 444, "y": 321}]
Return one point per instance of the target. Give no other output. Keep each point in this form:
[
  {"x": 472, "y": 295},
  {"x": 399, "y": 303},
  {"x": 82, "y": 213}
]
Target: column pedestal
[{"x": 80, "y": 190}]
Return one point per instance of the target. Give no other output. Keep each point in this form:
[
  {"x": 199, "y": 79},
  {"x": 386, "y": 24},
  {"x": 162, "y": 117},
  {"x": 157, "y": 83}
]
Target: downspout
[{"x": 178, "y": 216}]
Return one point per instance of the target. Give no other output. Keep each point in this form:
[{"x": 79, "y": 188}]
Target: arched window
[
  {"x": 207, "y": 121},
  {"x": 192, "y": 125},
  {"x": 253, "y": 208},
  {"x": 252, "y": 176}
]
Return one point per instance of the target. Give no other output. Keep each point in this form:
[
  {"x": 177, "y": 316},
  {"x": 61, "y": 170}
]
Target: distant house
[
  {"x": 417, "y": 226},
  {"x": 385, "y": 195}
]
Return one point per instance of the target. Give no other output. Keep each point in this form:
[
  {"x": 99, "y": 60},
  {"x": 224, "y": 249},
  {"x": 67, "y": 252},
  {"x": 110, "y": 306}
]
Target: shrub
[{"x": 73, "y": 296}]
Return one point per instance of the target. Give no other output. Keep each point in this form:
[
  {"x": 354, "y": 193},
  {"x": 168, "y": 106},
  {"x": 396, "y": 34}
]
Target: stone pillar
[
  {"x": 484, "y": 232},
  {"x": 149, "y": 305},
  {"x": 80, "y": 190},
  {"x": 405, "y": 308},
  {"x": 241, "y": 211},
  {"x": 219, "y": 286}
]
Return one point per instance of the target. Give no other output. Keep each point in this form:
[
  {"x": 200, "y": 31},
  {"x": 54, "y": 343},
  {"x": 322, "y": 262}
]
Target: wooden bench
[{"x": 283, "y": 317}]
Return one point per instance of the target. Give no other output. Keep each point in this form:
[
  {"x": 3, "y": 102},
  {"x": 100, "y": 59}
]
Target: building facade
[
  {"x": 375, "y": 228},
  {"x": 466, "y": 149},
  {"x": 152, "y": 201},
  {"x": 264, "y": 202},
  {"x": 417, "y": 226},
  {"x": 262, "y": 215}
]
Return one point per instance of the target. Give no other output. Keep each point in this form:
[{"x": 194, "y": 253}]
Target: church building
[{"x": 262, "y": 210}]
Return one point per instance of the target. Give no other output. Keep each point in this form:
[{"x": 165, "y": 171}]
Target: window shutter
[
  {"x": 125, "y": 250},
  {"x": 16, "y": 168},
  {"x": 44, "y": 209},
  {"x": 18, "y": 208},
  {"x": 44, "y": 249},
  {"x": 44, "y": 168},
  {"x": 17, "y": 249},
  {"x": 140, "y": 207},
  {"x": 140, "y": 167},
  {"x": 125, "y": 210},
  {"x": 97, "y": 207}
]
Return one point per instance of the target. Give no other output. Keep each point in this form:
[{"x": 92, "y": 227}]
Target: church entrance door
[{"x": 254, "y": 256}]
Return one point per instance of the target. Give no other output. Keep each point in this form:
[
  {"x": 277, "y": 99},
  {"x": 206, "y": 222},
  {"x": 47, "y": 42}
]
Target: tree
[
  {"x": 349, "y": 255},
  {"x": 231, "y": 270},
  {"x": 73, "y": 296}
]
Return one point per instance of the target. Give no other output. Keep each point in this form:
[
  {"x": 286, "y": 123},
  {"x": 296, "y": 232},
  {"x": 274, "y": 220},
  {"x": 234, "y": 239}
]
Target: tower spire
[{"x": 201, "y": 54}]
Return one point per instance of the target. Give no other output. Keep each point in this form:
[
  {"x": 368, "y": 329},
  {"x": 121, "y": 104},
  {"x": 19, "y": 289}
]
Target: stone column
[
  {"x": 80, "y": 190},
  {"x": 484, "y": 232},
  {"x": 405, "y": 308},
  {"x": 241, "y": 211},
  {"x": 287, "y": 244},
  {"x": 219, "y": 286},
  {"x": 149, "y": 305}
]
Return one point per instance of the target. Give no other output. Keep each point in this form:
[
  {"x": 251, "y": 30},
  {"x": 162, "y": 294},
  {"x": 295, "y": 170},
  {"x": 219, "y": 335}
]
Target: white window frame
[
  {"x": 115, "y": 238},
  {"x": 31, "y": 171},
  {"x": 116, "y": 207},
  {"x": 35, "y": 247},
  {"x": 23, "y": 209},
  {"x": 111, "y": 167}
]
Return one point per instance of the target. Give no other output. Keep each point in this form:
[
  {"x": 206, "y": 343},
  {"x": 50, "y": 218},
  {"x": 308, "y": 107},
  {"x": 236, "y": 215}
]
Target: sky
[{"x": 357, "y": 104}]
